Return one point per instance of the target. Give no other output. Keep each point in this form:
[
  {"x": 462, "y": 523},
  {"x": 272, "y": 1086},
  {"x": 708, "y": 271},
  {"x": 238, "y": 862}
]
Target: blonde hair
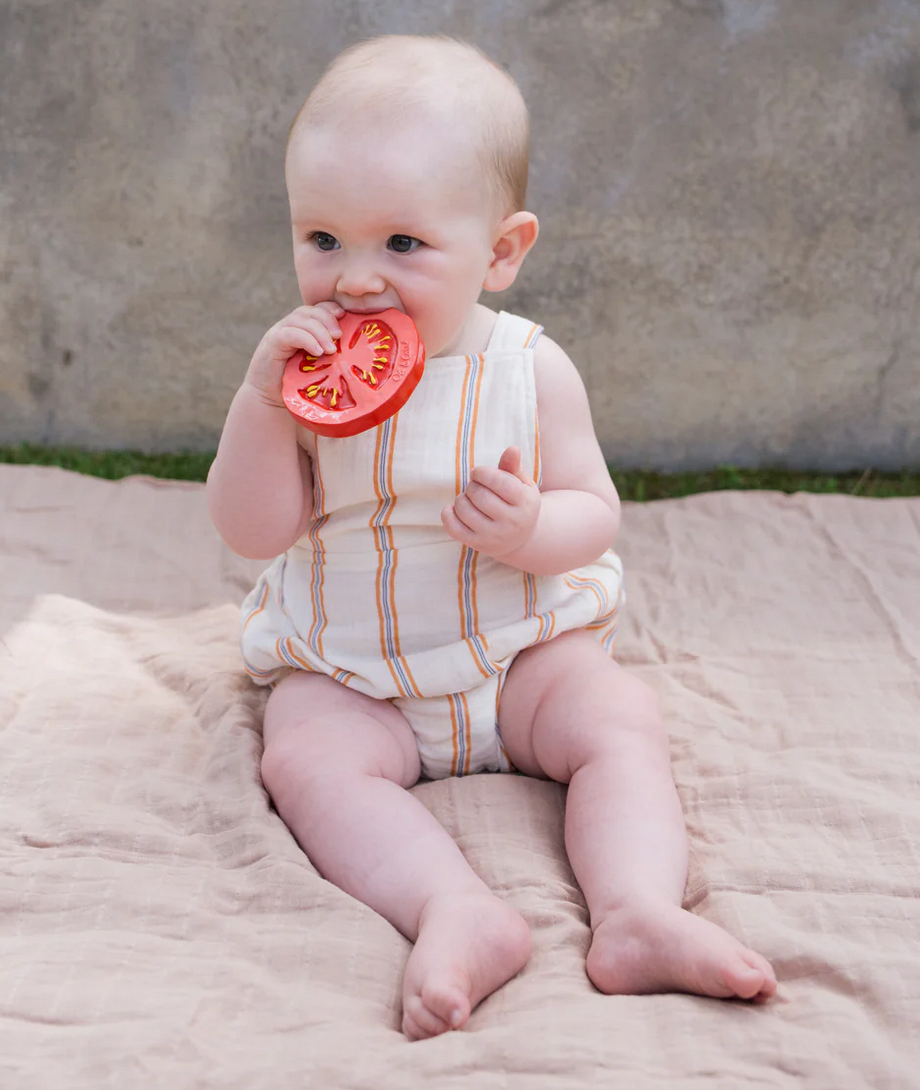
[{"x": 387, "y": 78}]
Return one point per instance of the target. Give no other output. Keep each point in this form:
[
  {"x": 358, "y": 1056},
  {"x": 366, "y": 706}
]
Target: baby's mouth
[{"x": 374, "y": 308}]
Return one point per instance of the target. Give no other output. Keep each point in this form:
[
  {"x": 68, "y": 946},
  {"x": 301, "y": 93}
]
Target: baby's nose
[{"x": 360, "y": 278}]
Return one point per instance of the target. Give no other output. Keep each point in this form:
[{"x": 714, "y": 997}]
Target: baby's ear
[{"x": 514, "y": 237}]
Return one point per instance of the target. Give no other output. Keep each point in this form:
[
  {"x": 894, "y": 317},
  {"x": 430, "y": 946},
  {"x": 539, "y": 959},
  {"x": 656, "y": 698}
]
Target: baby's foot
[
  {"x": 467, "y": 947},
  {"x": 663, "y": 948}
]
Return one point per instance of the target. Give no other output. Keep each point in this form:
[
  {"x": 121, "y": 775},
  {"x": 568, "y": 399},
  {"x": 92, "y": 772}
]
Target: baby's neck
[{"x": 474, "y": 337}]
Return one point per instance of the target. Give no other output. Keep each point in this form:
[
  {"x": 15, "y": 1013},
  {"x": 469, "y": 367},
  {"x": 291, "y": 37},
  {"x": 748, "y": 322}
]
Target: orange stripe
[
  {"x": 320, "y": 557},
  {"x": 391, "y": 583},
  {"x": 259, "y": 608},
  {"x": 384, "y": 531},
  {"x": 457, "y": 475},
  {"x": 470, "y": 624},
  {"x": 453, "y": 722},
  {"x": 471, "y": 645},
  {"x": 575, "y": 583},
  {"x": 460, "y": 606},
  {"x": 300, "y": 661},
  {"x": 395, "y": 676},
  {"x": 416, "y": 691},
  {"x": 536, "y": 446},
  {"x": 530, "y": 333},
  {"x": 457, "y": 483},
  {"x": 604, "y": 618},
  {"x": 377, "y": 492},
  {"x": 389, "y": 534},
  {"x": 469, "y": 740},
  {"x": 498, "y": 700},
  {"x": 319, "y": 476},
  {"x": 549, "y": 632},
  {"x": 473, "y": 594},
  {"x": 475, "y": 411},
  {"x": 378, "y": 584}
]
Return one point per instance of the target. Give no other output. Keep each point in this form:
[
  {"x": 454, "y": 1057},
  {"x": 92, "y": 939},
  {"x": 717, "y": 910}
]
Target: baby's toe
[
  {"x": 750, "y": 976},
  {"x": 447, "y": 1002},
  {"x": 419, "y": 1022},
  {"x": 768, "y": 986}
]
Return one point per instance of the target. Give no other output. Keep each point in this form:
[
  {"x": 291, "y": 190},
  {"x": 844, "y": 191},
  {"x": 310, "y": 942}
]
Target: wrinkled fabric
[{"x": 160, "y": 927}]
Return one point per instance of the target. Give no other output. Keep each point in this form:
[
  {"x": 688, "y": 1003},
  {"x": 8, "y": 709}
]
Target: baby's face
[{"x": 398, "y": 219}]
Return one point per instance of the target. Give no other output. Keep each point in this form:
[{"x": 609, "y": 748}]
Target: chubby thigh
[
  {"x": 559, "y": 704},
  {"x": 452, "y": 735},
  {"x": 566, "y": 701},
  {"x": 316, "y": 723}
]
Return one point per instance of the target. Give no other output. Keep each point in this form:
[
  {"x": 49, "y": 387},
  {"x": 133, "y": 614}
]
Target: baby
[{"x": 443, "y": 597}]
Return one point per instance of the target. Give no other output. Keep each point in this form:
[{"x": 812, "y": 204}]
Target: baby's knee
[
  {"x": 638, "y": 704},
  {"x": 631, "y": 718},
  {"x": 318, "y": 751},
  {"x": 288, "y": 768}
]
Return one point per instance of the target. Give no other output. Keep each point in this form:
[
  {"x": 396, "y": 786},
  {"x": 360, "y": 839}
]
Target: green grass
[
  {"x": 632, "y": 484},
  {"x": 648, "y": 485},
  {"x": 112, "y": 464}
]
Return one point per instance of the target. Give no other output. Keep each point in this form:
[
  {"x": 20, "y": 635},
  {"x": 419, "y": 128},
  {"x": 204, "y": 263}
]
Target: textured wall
[{"x": 728, "y": 190}]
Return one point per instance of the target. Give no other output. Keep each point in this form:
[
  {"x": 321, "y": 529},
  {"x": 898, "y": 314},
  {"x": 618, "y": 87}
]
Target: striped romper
[{"x": 379, "y": 597}]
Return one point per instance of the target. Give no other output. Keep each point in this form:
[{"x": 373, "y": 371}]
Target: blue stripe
[
  {"x": 461, "y": 732},
  {"x": 281, "y": 582},
  {"x": 487, "y": 664},
  {"x": 468, "y": 589},
  {"x": 468, "y": 423},
  {"x": 389, "y": 628},
  {"x": 253, "y": 671},
  {"x": 319, "y": 553},
  {"x": 402, "y": 675},
  {"x": 504, "y": 761},
  {"x": 530, "y": 585},
  {"x": 259, "y": 605},
  {"x": 594, "y": 584},
  {"x": 285, "y": 654},
  {"x": 316, "y": 582}
]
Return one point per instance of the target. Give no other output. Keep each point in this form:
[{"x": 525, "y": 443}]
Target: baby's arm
[
  {"x": 574, "y": 516},
  {"x": 260, "y": 490}
]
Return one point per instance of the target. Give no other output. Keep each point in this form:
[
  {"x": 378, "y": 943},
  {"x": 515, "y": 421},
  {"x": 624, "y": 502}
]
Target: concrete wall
[{"x": 729, "y": 193}]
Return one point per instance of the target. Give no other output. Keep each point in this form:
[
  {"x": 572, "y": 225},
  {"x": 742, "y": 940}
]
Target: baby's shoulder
[
  {"x": 554, "y": 372},
  {"x": 562, "y": 402}
]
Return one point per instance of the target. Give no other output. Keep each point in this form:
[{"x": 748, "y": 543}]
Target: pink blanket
[{"x": 161, "y": 928}]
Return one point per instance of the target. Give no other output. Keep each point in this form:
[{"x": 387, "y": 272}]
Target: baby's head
[{"x": 407, "y": 171}]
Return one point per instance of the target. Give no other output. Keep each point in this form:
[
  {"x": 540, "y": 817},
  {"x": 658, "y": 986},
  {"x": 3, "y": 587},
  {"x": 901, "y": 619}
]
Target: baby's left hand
[{"x": 498, "y": 510}]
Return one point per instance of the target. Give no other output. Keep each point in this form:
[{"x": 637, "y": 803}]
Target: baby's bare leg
[
  {"x": 337, "y": 765},
  {"x": 571, "y": 714}
]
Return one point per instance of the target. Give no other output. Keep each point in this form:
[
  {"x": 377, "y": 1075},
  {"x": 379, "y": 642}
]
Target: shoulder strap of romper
[{"x": 512, "y": 333}]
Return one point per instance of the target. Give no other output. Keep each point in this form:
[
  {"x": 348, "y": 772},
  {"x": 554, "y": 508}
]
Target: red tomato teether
[{"x": 378, "y": 362}]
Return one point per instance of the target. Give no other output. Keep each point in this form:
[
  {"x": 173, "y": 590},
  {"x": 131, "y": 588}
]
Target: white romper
[{"x": 378, "y": 596}]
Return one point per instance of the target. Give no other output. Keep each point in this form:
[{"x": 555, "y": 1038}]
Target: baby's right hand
[{"x": 312, "y": 329}]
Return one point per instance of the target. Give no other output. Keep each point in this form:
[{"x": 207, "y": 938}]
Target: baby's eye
[
  {"x": 322, "y": 240},
  {"x": 403, "y": 244}
]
